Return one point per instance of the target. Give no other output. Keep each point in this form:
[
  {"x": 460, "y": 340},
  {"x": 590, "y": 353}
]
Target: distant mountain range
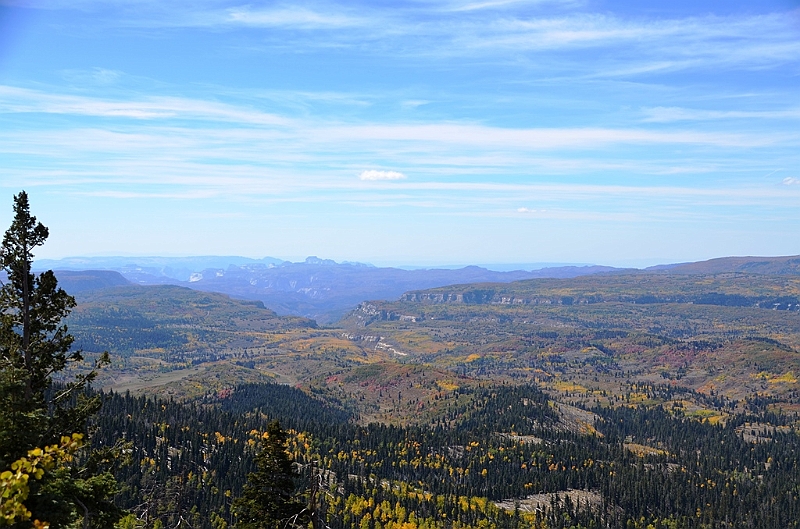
[
  {"x": 154, "y": 270},
  {"x": 316, "y": 288},
  {"x": 789, "y": 265},
  {"x": 325, "y": 290}
]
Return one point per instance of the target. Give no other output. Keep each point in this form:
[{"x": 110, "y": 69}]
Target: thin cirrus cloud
[
  {"x": 497, "y": 4},
  {"x": 297, "y": 17},
  {"x": 185, "y": 195},
  {"x": 160, "y": 109},
  {"x": 541, "y": 138},
  {"x": 631, "y": 52},
  {"x": 22, "y": 100},
  {"x": 96, "y": 76},
  {"x": 178, "y": 156},
  {"x": 468, "y": 28},
  {"x": 668, "y": 114},
  {"x": 373, "y": 175},
  {"x": 733, "y": 38},
  {"x": 584, "y": 30}
]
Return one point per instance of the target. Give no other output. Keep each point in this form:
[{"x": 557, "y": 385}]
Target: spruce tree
[
  {"x": 268, "y": 500},
  {"x": 34, "y": 413}
]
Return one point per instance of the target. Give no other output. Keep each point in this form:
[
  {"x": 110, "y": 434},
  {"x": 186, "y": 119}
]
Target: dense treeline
[
  {"x": 290, "y": 405},
  {"x": 189, "y": 460},
  {"x": 646, "y": 466},
  {"x": 707, "y": 470},
  {"x": 121, "y": 330}
]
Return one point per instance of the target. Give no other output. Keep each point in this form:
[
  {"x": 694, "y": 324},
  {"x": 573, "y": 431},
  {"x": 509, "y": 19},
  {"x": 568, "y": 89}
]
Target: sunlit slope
[
  {"x": 788, "y": 265},
  {"x": 132, "y": 319},
  {"x": 728, "y": 289},
  {"x": 731, "y": 335},
  {"x": 190, "y": 341},
  {"x": 588, "y": 339}
]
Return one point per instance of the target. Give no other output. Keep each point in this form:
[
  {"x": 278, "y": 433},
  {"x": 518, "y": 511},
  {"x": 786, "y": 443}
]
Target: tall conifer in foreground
[
  {"x": 268, "y": 500},
  {"x": 34, "y": 414}
]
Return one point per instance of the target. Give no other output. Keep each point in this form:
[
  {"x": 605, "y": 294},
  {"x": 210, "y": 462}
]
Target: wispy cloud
[
  {"x": 414, "y": 103},
  {"x": 22, "y": 100},
  {"x": 495, "y": 4},
  {"x": 669, "y": 114},
  {"x": 545, "y": 138},
  {"x": 296, "y": 17},
  {"x": 96, "y": 76},
  {"x": 185, "y": 195},
  {"x": 630, "y": 45},
  {"x": 373, "y": 175}
]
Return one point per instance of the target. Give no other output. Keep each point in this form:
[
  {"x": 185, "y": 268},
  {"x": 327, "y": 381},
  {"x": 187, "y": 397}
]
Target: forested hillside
[
  {"x": 502, "y": 456},
  {"x": 590, "y": 339},
  {"x": 625, "y": 400}
]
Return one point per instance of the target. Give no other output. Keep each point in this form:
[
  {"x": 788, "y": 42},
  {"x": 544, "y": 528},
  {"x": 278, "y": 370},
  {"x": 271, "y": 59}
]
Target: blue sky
[{"x": 420, "y": 132}]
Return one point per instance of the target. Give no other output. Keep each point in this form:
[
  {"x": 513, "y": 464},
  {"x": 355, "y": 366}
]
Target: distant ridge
[
  {"x": 79, "y": 282},
  {"x": 567, "y": 272},
  {"x": 153, "y": 269},
  {"x": 781, "y": 266},
  {"x": 316, "y": 287},
  {"x": 326, "y": 290}
]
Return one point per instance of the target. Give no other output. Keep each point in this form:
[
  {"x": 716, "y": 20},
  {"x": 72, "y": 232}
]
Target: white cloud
[
  {"x": 670, "y": 114},
  {"x": 184, "y": 195},
  {"x": 791, "y": 181},
  {"x": 95, "y": 76},
  {"x": 438, "y": 30},
  {"x": 414, "y": 103},
  {"x": 292, "y": 17},
  {"x": 22, "y": 100},
  {"x": 469, "y": 136},
  {"x": 372, "y": 174},
  {"x": 492, "y": 4}
]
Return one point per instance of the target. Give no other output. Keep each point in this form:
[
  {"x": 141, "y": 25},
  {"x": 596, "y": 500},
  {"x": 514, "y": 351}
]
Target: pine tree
[
  {"x": 268, "y": 500},
  {"x": 35, "y": 413}
]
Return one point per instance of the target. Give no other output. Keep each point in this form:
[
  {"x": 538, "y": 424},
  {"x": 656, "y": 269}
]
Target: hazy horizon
[
  {"x": 295, "y": 259},
  {"x": 498, "y": 266}
]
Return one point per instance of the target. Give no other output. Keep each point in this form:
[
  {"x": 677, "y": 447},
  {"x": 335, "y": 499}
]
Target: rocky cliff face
[
  {"x": 491, "y": 297},
  {"x": 368, "y": 312}
]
